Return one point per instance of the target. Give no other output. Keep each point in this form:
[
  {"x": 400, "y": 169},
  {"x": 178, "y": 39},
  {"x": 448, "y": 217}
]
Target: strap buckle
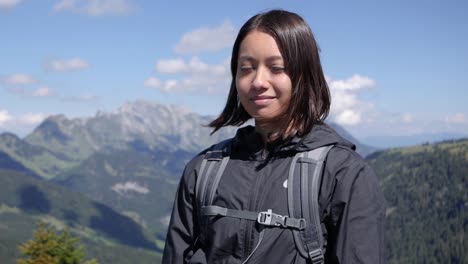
[
  {"x": 271, "y": 219},
  {"x": 316, "y": 256}
]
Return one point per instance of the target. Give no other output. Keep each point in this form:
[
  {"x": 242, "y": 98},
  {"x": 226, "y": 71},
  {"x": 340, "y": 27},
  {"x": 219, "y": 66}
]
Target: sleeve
[
  {"x": 183, "y": 232},
  {"x": 357, "y": 216}
]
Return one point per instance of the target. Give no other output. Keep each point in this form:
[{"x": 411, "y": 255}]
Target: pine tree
[{"x": 48, "y": 247}]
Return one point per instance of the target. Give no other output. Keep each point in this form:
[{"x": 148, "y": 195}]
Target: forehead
[{"x": 258, "y": 44}]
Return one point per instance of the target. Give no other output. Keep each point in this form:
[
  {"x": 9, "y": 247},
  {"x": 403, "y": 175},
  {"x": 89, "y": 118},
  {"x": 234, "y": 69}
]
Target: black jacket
[{"x": 351, "y": 204}]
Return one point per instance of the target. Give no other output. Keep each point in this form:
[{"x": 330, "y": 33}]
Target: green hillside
[
  {"x": 109, "y": 236},
  {"x": 41, "y": 161},
  {"x": 425, "y": 187},
  {"x": 136, "y": 182}
]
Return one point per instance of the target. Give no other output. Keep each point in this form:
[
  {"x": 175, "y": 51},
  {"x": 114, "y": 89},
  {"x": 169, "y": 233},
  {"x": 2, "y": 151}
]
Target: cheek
[
  {"x": 242, "y": 87},
  {"x": 286, "y": 89}
]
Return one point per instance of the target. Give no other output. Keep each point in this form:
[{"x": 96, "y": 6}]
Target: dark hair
[{"x": 310, "y": 96}]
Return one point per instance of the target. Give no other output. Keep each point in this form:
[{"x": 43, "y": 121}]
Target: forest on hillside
[{"x": 425, "y": 188}]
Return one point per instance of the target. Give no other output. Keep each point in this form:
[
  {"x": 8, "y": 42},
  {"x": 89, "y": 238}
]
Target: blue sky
[{"x": 394, "y": 67}]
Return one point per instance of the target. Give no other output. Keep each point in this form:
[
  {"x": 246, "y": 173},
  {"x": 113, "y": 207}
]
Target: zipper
[
  {"x": 260, "y": 238},
  {"x": 253, "y": 203}
]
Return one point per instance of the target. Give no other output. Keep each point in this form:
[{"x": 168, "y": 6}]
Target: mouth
[
  {"x": 262, "y": 100},
  {"x": 261, "y": 97}
]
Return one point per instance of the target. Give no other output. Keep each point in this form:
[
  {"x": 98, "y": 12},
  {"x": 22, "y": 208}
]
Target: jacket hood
[{"x": 248, "y": 141}]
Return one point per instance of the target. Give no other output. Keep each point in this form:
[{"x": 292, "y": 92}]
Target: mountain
[
  {"x": 139, "y": 183},
  {"x": 130, "y": 160},
  {"x": 8, "y": 163},
  {"x": 39, "y": 160},
  {"x": 425, "y": 187},
  {"x": 24, "y": 200},
  {"x": 362, "y": 149},
  {"x": 129, "y": 163},
  {"x": 411, "y": 140},
  {"x": 162, "y": 127},
  {"x": 59, "y": 144},
  {"x": 125, "y": 159}
]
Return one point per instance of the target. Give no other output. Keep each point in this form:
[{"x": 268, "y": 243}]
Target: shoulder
[
  {"x": 193, "y": 166},
  {"x": 347, "y": 173},
  {"x": 344, "y": 158},
  {"x": 347, "y": 169}
]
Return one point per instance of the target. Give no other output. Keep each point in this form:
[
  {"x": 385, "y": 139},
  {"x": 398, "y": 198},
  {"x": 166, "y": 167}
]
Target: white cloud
[
  {"x": 152, "y": 82},
  {"x": 31, "y": 118},
  {"x": 171, "y": 66},
  {"x": 19, "y": 79},
  {"x": 458, "y": 118},
  {"x": 96, "y": 7},
  {"x": 343, "y": 100},
  {"x": 194, "y": 84},
  {"x": 199, "y": 76},
  {"x": 356, "y": 82},
  {"x": 9, "y": 4},
  {"x": 347, "y": 107},
  {"x": 194, "y": 66},
  {"x": 348, "y": 117},
  {"x": 411, "y": 124},
  {"x": 42, "y": 92},
  {"x": 20, "y": 124},
  {"x": 74, "y": 64},
  {"x": 4, "y": 117},
  {"x": 122, "y": 188},
  {"x": 207, "y": 39}
]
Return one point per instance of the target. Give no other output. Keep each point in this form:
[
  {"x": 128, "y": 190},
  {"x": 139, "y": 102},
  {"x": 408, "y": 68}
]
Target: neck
[{"x": 268, "y": 130}]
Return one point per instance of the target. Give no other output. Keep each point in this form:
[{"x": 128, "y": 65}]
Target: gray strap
[
  {"x": 214, "y": 210},
  {"x": 314, "y": 236},
  {"x": 209, "y": 175},
  {"x": 293, "y": 204},
  {"x": 303, "y": 201},
  {"x": 206, "y": 182},
  {"x": 217, "y": 178},
  {"x": 201, "y": 183},
  {"x": 267, "y": 218}
]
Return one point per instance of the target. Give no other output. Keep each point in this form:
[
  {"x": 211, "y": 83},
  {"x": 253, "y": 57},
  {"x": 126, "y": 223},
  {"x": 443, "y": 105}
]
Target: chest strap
[{"x": 267, "y": 218}]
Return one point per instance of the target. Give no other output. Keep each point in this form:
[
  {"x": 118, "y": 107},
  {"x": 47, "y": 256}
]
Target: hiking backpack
[{"x": 303, "y": 208}]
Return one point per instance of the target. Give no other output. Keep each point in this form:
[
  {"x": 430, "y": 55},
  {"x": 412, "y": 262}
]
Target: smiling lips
[{"x": 262, "y": 99}]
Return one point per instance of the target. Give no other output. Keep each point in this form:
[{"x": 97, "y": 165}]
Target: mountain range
[
  {"x": 382, "y": 142},
  {"x": 128, "y": 163},
  {"x": 129, "y": 160},
  {"x": 126, "y": 159},
  {"x": 59, "y": 144}
]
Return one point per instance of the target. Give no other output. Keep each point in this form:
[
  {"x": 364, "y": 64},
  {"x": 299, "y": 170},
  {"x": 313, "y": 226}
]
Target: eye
[
  {"x": 277, "y": 69},
  {"x": 246, "y": 68}
]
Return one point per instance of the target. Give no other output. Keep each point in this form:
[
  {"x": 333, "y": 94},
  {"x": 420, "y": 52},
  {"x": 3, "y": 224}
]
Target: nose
[{"x": 260, "y": 79}]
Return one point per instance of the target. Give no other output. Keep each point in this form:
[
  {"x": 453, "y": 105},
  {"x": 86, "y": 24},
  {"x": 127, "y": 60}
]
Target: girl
[{"x": 277, "y": 80}]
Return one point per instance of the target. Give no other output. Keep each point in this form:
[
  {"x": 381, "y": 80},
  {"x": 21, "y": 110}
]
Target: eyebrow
[{"x": 250, "y": 58}]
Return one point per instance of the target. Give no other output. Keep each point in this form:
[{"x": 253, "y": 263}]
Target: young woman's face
[{"x": 263, "y": 86}]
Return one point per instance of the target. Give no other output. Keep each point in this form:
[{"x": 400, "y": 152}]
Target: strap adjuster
[
  {"x": 271, "y": 219},
  {"x": 316, "y": 256},
  {"x": 268, "y": 218}
]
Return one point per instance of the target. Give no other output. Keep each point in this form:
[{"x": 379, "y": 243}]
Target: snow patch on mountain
[{"x": 130, "y": 186}]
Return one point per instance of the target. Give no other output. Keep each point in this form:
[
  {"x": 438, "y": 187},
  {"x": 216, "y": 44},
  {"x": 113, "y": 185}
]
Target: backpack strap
[
  {"x": 211, "y": 170},
  {"x": 267, "y": 218},
  {"x": 303, "y": 190}
]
